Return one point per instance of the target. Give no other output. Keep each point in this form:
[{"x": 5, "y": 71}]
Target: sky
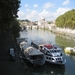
[{"x": 35, "y": 10}]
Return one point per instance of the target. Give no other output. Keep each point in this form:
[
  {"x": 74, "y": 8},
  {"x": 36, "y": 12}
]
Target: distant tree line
[
  {"x": 66, "y": 20},
  {"x": 49, "y": 22},
  {"x": 8, "y": 16}
]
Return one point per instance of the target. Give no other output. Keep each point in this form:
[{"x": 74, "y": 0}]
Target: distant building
[{"x": 42, "y": 22}]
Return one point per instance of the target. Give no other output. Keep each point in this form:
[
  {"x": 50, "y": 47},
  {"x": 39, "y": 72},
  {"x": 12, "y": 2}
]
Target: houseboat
[
  {"x": 52, "y": 53},
  {"x": 31, "y": 54}
]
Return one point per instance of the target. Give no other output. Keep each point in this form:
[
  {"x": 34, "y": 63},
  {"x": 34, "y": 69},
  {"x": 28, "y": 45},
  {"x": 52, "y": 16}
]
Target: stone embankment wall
[{"x": 66, "y": 32}]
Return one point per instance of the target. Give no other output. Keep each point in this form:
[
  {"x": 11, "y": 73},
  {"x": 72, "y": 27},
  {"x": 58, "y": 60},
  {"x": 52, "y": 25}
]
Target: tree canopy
[
  {"x": 66, "y": 20},
  {"x": 15, "y": 28},
  {"x": 8, "y": 12}
]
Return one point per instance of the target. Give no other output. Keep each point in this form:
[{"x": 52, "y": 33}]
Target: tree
[
  {"x": 15, "y": 28},
  {"x": 8, "y": 11},
  {"x": 66, "y": 20}
]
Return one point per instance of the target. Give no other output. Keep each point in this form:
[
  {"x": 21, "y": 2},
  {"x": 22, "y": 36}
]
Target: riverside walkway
[{"x": 8, "y": 67}]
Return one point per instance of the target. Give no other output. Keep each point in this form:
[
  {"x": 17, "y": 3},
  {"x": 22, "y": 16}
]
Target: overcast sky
[{"x": 34, "y": 10}]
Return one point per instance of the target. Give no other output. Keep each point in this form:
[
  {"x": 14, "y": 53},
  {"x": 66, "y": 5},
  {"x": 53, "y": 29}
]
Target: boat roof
[
  {"x": 46, "y": 44},
  {"x": 19, "y": 40},
  {"x": 49, "y": 46},
  {"x": 39, "y": 42},
  {"x": 24, "y": 44},
  {"x": 33, "y": 51},
  {"x": 52, "y": 47}
]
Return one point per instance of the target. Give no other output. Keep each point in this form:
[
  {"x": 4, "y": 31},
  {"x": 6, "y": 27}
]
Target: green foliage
[
  {"x": 66, "y": 20},
  {"x": 64, "y": 42},
  {"x": 26, "y": 20},
  {"x": 8, "y": 11},
  {"x": 15, "y": 28},
  {"x": 49, "y": 22}
]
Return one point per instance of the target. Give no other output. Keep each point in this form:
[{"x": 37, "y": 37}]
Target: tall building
[{"x": 42, "y": 21}]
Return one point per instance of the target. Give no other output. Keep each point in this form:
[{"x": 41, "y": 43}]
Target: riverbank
[
  {"x": 8, "y": 67},
  {"x": 64, "y": 32}
]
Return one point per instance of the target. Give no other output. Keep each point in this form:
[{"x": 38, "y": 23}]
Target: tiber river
[{"x": 50, "y": 69}]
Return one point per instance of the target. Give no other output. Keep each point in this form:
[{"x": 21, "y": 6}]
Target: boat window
[
  {"x": 59, "y": 58},
  {"x": 55, "y": 51},
  {"x": 48, "y": 52},
  {"x": 61, "y": 54},
  {"x": 46, "y": 57},
  {"x": 58, "y": 50},
  {"x": 33, "y": 57},
  {"x": 41, "y": 56},
  {"x": 41, "y": 47},
  {"x": 52, "y": 51},
  {"x": 56, "y": 59},
  {"x": 52, "y": 58},
  {"x": 49, "y": 58}
]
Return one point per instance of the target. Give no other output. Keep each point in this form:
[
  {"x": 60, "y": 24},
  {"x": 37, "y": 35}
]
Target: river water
[{"x": 50, "y": 69}]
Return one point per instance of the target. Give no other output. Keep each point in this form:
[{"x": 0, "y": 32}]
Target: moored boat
[
  {"x": 69, "y": 50},
  {"x": 52, "y": 53},
  {"x": 32, "y": 55}
]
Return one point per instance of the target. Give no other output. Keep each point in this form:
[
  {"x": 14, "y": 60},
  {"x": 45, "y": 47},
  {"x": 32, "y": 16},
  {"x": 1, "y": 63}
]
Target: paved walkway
[{"x": 8, "y": 67}]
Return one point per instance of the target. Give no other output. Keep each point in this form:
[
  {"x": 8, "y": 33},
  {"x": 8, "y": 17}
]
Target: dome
[{"x": 43, "y": 18}]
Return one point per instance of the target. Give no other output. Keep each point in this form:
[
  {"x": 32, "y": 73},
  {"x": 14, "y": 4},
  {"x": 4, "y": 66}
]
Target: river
[{"x": 50, "y": 69}]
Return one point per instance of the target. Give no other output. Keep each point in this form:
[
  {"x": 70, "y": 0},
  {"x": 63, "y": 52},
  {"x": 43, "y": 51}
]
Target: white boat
[
  {"x": 19, "y": 40},
  {"x": 23, "y": 45},
  {"x": 32, "y": 55},
  {"x": 52, "y": 53},
  {"x": 70, "y": 50}
]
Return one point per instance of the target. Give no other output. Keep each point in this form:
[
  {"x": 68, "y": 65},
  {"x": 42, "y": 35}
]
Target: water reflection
[
  {"x": 70, "y": 56},
  {"x": 63, "y": 42},
  {"x": 38, "y": 34},
  {"x": 47, "y": 69},
  {"x": 50, "y": 69}
]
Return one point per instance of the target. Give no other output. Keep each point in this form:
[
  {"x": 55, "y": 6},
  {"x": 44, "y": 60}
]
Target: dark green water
[{"x": 50, "y": 69}]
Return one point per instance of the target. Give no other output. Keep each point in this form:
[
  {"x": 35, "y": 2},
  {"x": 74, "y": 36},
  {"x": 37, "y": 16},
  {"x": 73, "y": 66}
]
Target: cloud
[
  {"x": 53, "y": 15},
  {"x": 60, "y": 11},
  {"x": 66, "y": 2},
  {"x": 34, "y": 15},
  {"x": 34, "y": 12},
  {"x": 36, "y": 5},
  {"x": 28, "y": 10},
  {"x": 46, "y": 14},
  {"x": 48, "y": 5},
  {"x": 26, "y": 5},
  {"x": 21, "y": 15}
]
